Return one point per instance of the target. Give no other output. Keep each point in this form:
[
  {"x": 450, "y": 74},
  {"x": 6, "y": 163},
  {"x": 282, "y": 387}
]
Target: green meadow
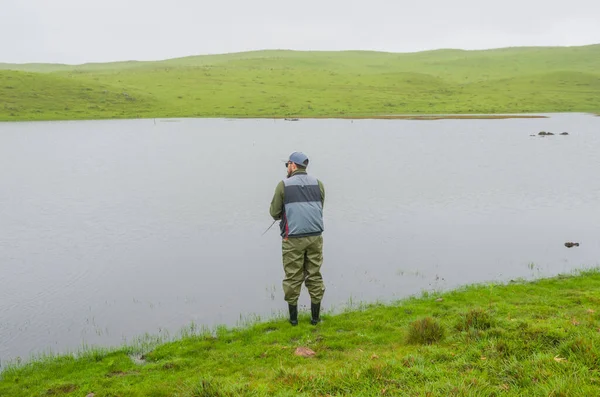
[
  {"x": 535, "y": 338},
  {"x": 309, "y": 84}
]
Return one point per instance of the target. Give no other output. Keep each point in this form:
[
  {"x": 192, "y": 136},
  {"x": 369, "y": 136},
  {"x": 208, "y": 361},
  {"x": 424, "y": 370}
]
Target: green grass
[
  {"x": 34, "y": 96},
  {"x": 310, "y": 84},
  {"x": 536, "y": 338}
]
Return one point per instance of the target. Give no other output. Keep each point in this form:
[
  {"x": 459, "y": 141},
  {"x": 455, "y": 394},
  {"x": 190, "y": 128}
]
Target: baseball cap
[{"x": 299, "y": 158}]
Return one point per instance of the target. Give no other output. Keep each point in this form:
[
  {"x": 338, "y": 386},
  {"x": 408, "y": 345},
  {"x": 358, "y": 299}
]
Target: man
[{"x": 298, "y": 203}]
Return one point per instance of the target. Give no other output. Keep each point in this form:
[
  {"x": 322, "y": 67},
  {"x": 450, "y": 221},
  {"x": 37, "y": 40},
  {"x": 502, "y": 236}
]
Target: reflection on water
[{"x": 113, "y": 229}]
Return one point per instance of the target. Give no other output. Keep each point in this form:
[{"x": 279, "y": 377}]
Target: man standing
[{"x": 298, "y": 203}]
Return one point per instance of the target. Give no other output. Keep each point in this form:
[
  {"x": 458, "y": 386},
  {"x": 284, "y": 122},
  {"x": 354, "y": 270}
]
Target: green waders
[{"x": 302, "y": 260}]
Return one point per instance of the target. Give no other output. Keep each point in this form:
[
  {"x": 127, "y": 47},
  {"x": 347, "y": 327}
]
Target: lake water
[{"x": 113, "y": 229}]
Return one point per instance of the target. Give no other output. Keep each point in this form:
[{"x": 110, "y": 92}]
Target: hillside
[
  {"x": 281, "y": 83},
  {"x": 35, "y": 96}
]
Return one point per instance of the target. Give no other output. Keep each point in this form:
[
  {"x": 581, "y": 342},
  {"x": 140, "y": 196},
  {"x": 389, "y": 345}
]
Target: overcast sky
[{"x": 77, "y": 31}]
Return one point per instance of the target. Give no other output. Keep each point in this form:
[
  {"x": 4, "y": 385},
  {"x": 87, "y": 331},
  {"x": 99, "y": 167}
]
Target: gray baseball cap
[{"x": 299, "y": 158}]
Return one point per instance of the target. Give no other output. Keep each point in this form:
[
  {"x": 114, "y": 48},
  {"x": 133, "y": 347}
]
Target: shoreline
[
  {"x": 521, "y": 337},
  {"x": 410, "y": 117},
  {"x": 428, "y": 117}
]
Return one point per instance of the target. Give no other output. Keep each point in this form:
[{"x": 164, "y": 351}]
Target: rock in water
[{"x": 569, "y": 244}]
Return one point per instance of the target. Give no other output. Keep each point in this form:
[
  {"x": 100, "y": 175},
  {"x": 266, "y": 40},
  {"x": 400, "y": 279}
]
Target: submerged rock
[{"x": 564, "y": 133}]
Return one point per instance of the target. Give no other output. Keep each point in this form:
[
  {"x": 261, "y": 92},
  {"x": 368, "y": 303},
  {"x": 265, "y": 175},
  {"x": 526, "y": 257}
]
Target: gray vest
[{"x": 302, "y": 207}]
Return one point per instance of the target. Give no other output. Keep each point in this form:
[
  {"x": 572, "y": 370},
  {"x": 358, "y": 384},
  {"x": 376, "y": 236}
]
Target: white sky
[{"x": 78, "y": 31}]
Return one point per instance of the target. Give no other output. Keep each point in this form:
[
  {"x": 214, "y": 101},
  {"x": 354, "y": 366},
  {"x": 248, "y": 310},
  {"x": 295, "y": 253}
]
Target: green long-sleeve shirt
[{"x": 277, "y": 203}]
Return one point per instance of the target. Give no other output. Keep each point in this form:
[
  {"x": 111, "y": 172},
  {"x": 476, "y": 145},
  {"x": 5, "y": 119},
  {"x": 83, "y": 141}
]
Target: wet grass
[
  {"x": 311, "y": 84},
  {"x": 522, "y": 339}
]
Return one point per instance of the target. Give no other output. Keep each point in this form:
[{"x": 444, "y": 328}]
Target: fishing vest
[{"x": 302, "y": 207}]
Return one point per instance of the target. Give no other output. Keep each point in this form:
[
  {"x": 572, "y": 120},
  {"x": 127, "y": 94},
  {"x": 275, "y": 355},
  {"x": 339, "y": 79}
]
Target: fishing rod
[{"x": 269, "y": 227}]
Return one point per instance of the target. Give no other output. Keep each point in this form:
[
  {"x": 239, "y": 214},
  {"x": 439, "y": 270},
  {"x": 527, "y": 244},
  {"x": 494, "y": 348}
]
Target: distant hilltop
[{"x": 269, "y": 53}]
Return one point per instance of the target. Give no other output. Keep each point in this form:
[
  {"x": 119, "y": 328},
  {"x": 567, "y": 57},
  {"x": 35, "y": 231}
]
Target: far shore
[
  {"x": 423, "y": 117},
  {"x": 315, "y": 117}
]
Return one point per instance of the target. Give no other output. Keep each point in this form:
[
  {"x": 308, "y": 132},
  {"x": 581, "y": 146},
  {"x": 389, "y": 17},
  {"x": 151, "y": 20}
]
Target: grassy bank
[
  {"x": 537, "y": 338},
  {"x": 309, "y": 84}
]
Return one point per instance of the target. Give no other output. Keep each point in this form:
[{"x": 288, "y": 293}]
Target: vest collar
[{"x": 298, "y": 172}]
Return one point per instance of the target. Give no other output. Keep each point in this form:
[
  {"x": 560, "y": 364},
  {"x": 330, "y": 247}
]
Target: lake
[{"x": 114, "y": 229}]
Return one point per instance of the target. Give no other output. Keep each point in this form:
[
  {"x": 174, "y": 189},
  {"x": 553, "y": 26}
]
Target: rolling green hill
[
  {"x": 36, "y": 96},
  {"x": 280, "y": 83}
]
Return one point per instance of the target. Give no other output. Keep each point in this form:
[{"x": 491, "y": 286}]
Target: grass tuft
[
  {"x": 425, "y": 331},
  {"x": 477, "y": 319},
  {"x": 208, "y": 388},
  {"x": 61, "y": 390}
]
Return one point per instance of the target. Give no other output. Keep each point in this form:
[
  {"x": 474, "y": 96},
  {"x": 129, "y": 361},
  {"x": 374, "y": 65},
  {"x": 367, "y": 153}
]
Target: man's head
[{"x": 297, "y": 161}]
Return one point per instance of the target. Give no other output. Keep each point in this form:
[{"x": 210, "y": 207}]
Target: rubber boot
[
  {"x": 293, "y": 314},
  {"x": 315, "y": 309}
]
